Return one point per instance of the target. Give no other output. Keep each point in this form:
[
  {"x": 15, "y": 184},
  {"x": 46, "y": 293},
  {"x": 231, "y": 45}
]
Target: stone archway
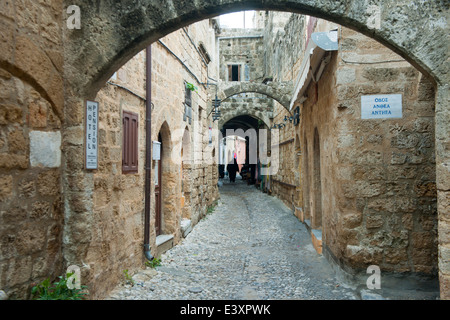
[
  {"x": 186, "y": 173},
  {"x": 279, "y": 91},
  {"x": 129, "y": 28},
  {"x": 169, "y": 190},
  {"x": 416, "y": 30},
  {"x": 227, "y": 116}
]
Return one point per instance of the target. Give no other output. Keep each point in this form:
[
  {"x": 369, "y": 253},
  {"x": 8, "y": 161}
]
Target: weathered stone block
[
  {"x": 6, "y": 187},
  {"x": 407, "y": 221},
  {"x": 13, "y": 161},
  {"x": 31, "y": 239},
  {"x": 373, "y": 222},
  {"x": 45, "y": 149},
  {"x": 38, "y": 114},
  {"x": 395, "y": 255},
  {"x": 352, "y": 220},
  {"x": 381, "y": 74},
  {"x": 39, "y": 210},
  {"x": 10, "y": 113},
  {"x": 27, "y": 188},
  {"x": 6, "y": 39},
  {"x": 17, "y": 142},
  {"x": 422, "y": 240},
  {"x": 423, "y": 257}
]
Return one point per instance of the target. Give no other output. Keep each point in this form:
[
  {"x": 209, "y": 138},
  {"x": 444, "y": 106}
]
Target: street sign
[
  {"x": 387, "y": 106},
  {"x": 91, "y": 142}
]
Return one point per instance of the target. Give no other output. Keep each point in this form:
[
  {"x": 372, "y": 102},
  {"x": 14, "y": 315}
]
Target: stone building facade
[
  {"x": 112, "y": 33},
  {"x": 31, "y": 116},
  {"x": 32, "y": 208},
  {"x": 365, "y": 187},
  {"x": 187, "y": 180}
]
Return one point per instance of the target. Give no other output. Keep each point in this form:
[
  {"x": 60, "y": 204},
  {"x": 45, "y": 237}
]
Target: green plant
[
  {"x": 211, "y": 208},
  {"x": 57, "y": 291},
  {"x": 191, "y": 87},
  {"x": 128, "y": 277},
  {"x": 261, "y": 124},
  {"x": 154, "y": 263}
]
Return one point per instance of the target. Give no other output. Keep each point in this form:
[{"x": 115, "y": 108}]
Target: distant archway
[{"x": 279, "y": 91}]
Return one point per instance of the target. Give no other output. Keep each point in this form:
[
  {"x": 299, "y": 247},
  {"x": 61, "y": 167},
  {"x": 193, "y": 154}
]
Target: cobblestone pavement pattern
[{"x": 250, "y": 247}]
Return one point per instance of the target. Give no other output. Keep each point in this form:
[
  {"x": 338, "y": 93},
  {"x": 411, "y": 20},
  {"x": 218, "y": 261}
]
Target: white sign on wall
[
  {"x": 91, "y": 135},
  {"x": 383, "y": 106},
  {"x": 156, "y": 154}
]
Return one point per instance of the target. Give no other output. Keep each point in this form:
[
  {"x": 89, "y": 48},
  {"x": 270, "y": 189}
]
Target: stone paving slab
[{"x": 250, "y": 247}]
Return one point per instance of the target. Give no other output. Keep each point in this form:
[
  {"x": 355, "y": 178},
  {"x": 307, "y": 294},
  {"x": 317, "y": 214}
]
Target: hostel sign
[
  {"x": 91, "y": 143},
  {"x": 386, "y": 106}
]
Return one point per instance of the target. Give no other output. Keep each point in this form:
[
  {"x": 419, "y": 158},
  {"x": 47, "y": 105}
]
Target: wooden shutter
[
  {"x": 188, "y": 97},
  {"x": 234, "y": 72},
  {"x": 130, "y": 142}
]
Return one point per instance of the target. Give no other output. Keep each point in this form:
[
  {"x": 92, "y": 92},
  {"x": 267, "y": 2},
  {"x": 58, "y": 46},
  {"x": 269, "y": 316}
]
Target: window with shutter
[
  {"x": 130, "y": 142},
  {"x": 234, "y": 72},
  {"x": 187, "y": 105}
]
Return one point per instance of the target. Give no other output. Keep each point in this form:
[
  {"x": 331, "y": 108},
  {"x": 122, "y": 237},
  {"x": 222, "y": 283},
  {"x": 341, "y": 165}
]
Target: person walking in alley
[{"x": 232, "y": 168}]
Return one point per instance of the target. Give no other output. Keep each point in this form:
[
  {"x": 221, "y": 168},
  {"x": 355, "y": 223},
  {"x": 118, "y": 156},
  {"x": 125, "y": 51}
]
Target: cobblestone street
[{"x": 250, "y": 247}]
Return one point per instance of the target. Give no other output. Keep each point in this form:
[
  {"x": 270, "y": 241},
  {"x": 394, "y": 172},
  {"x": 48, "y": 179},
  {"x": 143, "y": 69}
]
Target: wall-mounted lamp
[
  {"x": 296, "y": 116},
  {"x": 279, "y": 126},
  {"x": 216, "y": 110},
  {"x": 286, "y": 118}
]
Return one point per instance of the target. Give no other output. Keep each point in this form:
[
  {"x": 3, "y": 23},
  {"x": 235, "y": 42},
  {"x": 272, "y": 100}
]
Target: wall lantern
[
  {"x": 297, "y": 116},
  {"x": 216, "y": 109},
  {"x": 279, "y": 126}
]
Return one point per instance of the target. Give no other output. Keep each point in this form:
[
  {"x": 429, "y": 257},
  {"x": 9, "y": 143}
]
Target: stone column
[
  {"x": 77, "y": 188},
  {"x": 443, "y": 186}
]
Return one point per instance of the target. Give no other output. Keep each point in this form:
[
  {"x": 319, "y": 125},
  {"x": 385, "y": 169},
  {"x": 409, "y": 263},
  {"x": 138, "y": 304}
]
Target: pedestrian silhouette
[{"x": 232, "y": 168}]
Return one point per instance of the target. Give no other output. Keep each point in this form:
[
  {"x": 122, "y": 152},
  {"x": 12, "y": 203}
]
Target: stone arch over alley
[
  {"x": 232, "y": 115},
  {"x": 280, "y": 92},
  {"x": 113, "y": 33}
]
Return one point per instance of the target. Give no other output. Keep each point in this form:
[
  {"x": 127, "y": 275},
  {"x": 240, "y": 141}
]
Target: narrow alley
[
  {"x": 250, "y": 247},
  {"x": 123, "y": 124}
]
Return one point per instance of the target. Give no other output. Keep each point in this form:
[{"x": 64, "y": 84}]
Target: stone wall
[
  {"x": 242, "y": 47},
  {"x": 286, "y": 184},
  {"x": 377, "y": 190},
  {"x": 385, "y": 168},
  {"x": 118, "y": 199},
  {"x": 31, "y": 101},
  {"x": 31, "y": 53},
  {"x": 402, "y": 26}
]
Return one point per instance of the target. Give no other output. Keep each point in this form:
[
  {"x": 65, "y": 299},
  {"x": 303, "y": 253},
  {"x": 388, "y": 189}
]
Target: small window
[
  {"x": 188, "y": 96},
  {"x": 204, "y": 53},
  {"x": 130, "y": 142},
  {"x": 234, "y": 72},
  {"x": 187, "y": 104}
]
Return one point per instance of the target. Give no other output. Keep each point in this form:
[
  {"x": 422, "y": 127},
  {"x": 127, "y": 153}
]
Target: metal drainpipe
[{"x": 148, "y": 159}]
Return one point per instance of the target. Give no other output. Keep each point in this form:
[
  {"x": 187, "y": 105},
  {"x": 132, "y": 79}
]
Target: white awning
[{"x": 319, "y": 43}]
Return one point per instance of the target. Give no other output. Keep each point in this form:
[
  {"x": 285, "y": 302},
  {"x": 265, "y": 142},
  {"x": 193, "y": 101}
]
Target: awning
[{"x": 313, "y": 60}]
